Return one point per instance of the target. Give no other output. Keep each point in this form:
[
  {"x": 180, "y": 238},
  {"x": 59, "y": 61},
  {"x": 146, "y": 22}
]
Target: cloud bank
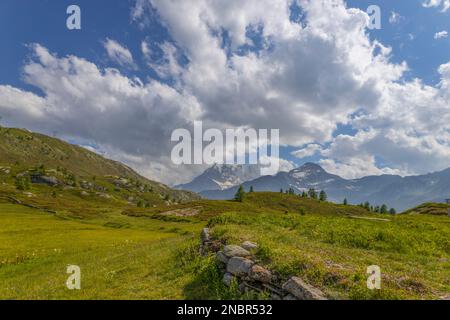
[{"x": 252, "y": 64}]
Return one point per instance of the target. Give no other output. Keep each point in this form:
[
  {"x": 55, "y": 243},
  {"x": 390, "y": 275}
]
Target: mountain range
[
  {"x": 222, "y": 177},
  {"x": 395, "y": 191}
]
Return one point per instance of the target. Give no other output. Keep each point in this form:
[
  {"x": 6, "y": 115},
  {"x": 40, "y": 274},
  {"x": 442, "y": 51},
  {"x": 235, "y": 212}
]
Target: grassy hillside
[
  {"x": 72, "y": 171},
  {"x": 331, "y": 247},
  {"x": 31, "y": 149},
  {"x": 435, "y": 209}
]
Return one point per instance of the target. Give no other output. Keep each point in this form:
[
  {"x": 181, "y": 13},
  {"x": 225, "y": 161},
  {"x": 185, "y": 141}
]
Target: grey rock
[
  {"x": 121, "y": 182},
  {"x": 221, "y": 257},
  {"x": 235, "y": 251},
  {"x": 302, "y": 290},
  {"x": 239, "y": 266},
  {"x": 248, "y": 245},
  {"x": 261, "y": 274},
  {"x": 51, "y": 181},
  {"x": 205, "y": 235},
  {"x": 289, "y": 297}
]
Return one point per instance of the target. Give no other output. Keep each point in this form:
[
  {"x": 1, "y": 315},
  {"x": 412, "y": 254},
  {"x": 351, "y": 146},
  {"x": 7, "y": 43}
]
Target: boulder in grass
[
  {"x": 248, "y": 245},
  {"x": 239, "y": 266},
  {"x": 261, "y": 274},
  {"x": 302, "y": 291},
  {"x": 205, "y": 235},
  {"x": 235, "y": 251},
  {"x": 221, "y": 257},
  {"x": 50, "y": 181}
]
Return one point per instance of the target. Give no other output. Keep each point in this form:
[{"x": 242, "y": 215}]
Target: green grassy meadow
[
  {"x": 134, "y": 238},
  {"x": 333, "y": 251},
  {"x": 120, "y": 258},
  {"x": 137, "y": 253}
]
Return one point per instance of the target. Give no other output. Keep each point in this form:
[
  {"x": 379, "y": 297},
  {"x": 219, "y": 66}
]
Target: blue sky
[
  {"x": 27, "y": 21},
  {"x": 24, "y": 22}
]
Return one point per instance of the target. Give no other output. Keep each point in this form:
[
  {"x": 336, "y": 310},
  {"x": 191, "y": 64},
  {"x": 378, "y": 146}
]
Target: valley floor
[
  {"x": 120, "y": 258},
  {"x": 152, "y": 253}
]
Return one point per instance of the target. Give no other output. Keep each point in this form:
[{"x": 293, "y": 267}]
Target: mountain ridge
[
  {"x": 396, "y": 191},
  {"x": 221, "y": 177}
]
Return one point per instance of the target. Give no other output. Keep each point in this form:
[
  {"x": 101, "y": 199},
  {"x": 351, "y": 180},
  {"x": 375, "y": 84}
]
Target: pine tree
[
  {"x": 384, "y": 209},
  {"x": 304, "y": 194},
  {"x": 323, "y": 196},
  {"x": 281, "y": 190},
  {"x": 239, "y": 196},
  {"x": 345, "y": 202},
  {"x": 392, "y": 211},
  {"x": 312, "y": 193},
  {"x": 251, "y": 189}
]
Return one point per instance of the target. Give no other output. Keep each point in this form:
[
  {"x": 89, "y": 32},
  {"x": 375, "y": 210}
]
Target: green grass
[
  {"x": 134, "y": 253},
  {"x": 136, "y": 262},
  {"x": 435, "y": 209},
  {"x": 333, "y": 251}
]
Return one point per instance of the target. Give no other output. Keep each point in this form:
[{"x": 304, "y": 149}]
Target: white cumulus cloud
[
  {"x": 444, "y": 5},
  {"x": 118, "y": 53},
  {"x": 440, "y": 35},
  {"x": 304, "y": 79}
]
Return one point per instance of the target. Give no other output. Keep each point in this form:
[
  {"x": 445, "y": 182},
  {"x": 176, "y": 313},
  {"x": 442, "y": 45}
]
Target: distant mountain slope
[
  {"x": 31, "y": 149},
  {"x": 221, "y": 177},
  {"x": 22, "y": 149},
  {"x": 434, "y": 209},
  {"x": 395, "y": 191}
]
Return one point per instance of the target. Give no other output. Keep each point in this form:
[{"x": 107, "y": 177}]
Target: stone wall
[{"x": 238, "y": 264}]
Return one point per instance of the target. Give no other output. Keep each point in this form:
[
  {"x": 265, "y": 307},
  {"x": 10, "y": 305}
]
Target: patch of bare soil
[{"x": 185, "y": 212}]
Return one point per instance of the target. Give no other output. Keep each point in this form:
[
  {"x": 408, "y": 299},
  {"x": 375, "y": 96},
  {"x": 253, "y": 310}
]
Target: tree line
[{"x": 321, "y": 196}]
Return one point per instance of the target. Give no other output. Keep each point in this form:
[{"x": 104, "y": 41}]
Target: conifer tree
[{"x": 239, "y": 196}]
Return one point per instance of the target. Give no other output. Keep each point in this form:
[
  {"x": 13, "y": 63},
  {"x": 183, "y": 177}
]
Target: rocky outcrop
[
  {"x": 239, "y": 267},
  {"x": 40, "y": 179}
]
